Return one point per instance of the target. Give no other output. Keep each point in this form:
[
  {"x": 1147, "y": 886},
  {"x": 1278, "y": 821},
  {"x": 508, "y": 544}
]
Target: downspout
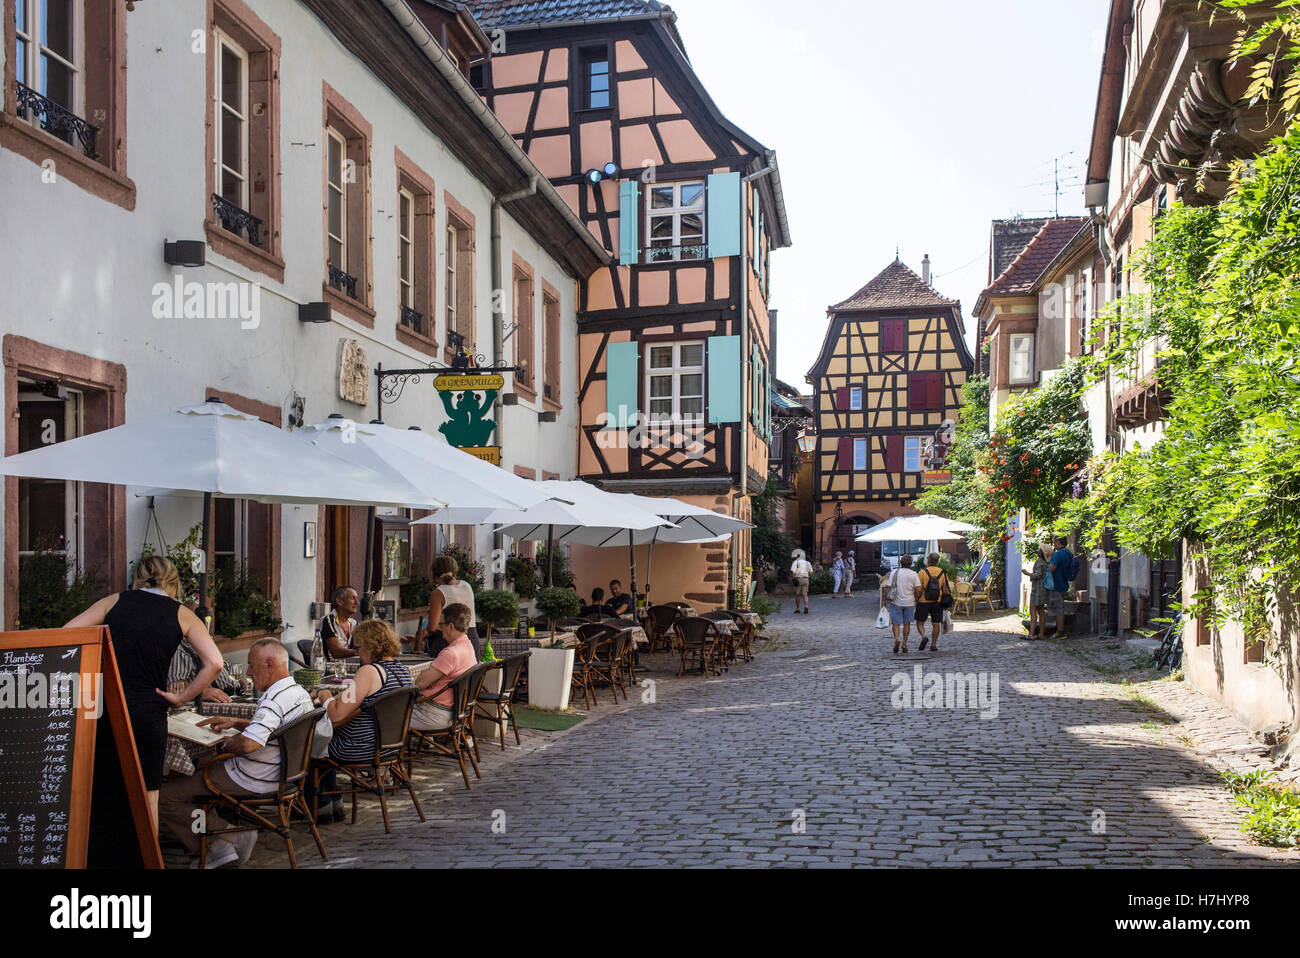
[
  {"x": 498, "y": 340},
  {"x": 743, "y": 485}
]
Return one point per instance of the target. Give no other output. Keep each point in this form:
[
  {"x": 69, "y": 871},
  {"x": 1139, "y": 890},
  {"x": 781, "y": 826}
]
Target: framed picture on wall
[
  {"x": 309, "y": 540},
  {"x": 385, "y": 611}
]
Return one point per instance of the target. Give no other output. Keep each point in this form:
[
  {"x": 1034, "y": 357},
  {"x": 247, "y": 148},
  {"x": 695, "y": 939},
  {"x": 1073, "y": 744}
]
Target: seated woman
[
  {"x": 336, "y": 629},
  {"x": 355, "y": 729},
  {"x": 434, "y": 711},
  {"x": 597, "y": 603}
]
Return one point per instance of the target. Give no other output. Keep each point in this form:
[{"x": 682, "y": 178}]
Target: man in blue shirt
[
  {"x": 619, "y": 602},
  {"x": 1056, "y": 589}
]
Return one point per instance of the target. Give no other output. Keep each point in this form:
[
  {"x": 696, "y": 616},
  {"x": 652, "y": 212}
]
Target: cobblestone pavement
[{"x": 799, "y": 758}]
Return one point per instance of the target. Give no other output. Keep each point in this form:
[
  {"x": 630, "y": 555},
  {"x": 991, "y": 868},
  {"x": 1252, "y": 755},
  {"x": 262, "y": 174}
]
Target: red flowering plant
[{"x": 1039, "y": 441}]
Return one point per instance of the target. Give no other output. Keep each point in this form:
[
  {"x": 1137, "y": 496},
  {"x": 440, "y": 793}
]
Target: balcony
[
  {"x": 235, "y": 220},
  {"x": 342, "y": 281},
  {"x": 412, "y": 319},
  {"x": 56, "y": 120},
  {"x": 676, "y": 254}
]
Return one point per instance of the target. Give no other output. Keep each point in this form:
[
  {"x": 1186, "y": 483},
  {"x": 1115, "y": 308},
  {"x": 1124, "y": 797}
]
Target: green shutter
[
  {"x": 621, "y": 380},
  {"x": 629, "y": 201},
  {"x": 724, "y": 379},
  {"x": 724, "y": 214}
]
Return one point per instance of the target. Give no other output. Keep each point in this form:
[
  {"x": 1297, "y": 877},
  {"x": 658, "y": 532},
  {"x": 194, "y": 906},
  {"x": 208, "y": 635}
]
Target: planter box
[
  {"x": 485, "y": 728},
  {"x": 550, "y": 677}
]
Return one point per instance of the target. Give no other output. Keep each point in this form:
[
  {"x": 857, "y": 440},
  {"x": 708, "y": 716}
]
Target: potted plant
[
  {"x": 558, "y": 603},
  {"x": 523, "y": 575},
  {"x": 496, "y": 609}
]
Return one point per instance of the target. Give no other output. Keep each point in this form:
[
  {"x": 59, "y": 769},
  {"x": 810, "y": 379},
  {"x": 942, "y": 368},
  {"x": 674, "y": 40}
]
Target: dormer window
[{"x": 594, "y": 72}]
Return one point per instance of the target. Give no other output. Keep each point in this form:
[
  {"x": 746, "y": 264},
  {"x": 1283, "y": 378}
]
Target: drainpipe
[
  {"x": 498, "y": 339},
  {"x": 744, "y": 372}
]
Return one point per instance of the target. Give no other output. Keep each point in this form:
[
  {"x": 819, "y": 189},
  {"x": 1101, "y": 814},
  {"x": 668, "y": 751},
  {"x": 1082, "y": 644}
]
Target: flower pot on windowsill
[{"x": 550, "y": 677}]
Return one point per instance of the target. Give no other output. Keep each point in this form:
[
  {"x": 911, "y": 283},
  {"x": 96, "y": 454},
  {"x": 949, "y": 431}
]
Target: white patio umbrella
[
  {"x": 927, "y": 526},
  {"x": 212, "y": 449}
]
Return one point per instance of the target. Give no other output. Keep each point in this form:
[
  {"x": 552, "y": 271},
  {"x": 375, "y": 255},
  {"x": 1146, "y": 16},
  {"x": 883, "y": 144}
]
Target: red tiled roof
[
  {"x": 1052, "y": 237},
  {"x": 894, "y": 286},
  {"x": 506, "y": 13}
]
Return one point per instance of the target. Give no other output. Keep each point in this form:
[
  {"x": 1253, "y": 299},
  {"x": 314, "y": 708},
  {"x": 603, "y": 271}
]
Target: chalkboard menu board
[
  {"x": 54, "y": 685},
  {"x": 38, "y": 728}
]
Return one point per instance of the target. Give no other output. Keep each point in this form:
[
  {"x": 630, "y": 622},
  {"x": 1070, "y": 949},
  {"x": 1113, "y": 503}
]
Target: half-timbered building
[
  {"x": 886, "y": 385},
  {"x": 673, "y": 348}
]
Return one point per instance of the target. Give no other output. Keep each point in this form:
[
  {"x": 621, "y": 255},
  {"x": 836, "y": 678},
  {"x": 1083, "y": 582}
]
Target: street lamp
[{"x": 806, "y": 443}]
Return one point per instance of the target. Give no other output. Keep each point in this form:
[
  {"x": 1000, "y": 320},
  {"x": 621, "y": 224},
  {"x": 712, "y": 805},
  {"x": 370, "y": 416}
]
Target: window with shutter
[
  {"x": 934, "y": 392},
  {"x": 894, "y": 454},
  {"x": 925, "y": 391},
  {"x": 842, "y": 398},
  {"x": 844, "y": 460},
  {"x": 893, "y": 336}
]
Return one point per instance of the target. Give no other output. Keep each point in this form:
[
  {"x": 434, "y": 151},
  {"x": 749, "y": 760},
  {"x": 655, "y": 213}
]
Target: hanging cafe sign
[{"x": 467, "y": 390}]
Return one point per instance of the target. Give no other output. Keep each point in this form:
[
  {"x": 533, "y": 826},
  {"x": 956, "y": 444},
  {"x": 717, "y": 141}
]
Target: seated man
[
  {"x": 253, "y": 769},
  {"x": 597, "y": 602},
  {"x": 185, "y": 665},
  {"x": 619, "y": 602},
  {"x": 336, "y": 628},
  {"x": 434, "y": 710}
]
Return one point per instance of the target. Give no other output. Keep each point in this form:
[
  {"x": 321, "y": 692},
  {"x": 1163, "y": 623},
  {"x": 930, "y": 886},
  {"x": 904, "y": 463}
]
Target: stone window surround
[
  {"x": 104, "y": 383},
  {"x": 105, "y": 178},
  {"x": 525, "y": 335},
  {"x": 415, "y": 181},
  {"x": 237, "y": 20},
  {"x": 344, "y": 117},
  {"x": 459, "y": 217},
  {"x": 552, "y": 351}
]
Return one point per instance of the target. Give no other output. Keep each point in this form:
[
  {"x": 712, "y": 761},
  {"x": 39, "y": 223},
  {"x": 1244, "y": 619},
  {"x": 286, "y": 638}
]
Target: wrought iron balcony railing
[
  {"x": 57, "y": 120},
  {"x": 342, "y": 281},
  {"x": 412, "y": 319},
  {"x": 237, "y": 220},
  {"x": 670, "y": 254}
]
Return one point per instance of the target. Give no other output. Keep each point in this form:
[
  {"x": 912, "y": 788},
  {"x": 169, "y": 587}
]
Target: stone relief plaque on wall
[{"x": 354, "y": 373}]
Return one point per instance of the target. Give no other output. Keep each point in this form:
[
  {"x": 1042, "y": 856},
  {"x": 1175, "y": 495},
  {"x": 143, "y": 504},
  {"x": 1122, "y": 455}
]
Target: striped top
[
  {"x": 259, "y": 771},
  {"x": 186, "y": 664},
  {"x": 355, "y": 739}
]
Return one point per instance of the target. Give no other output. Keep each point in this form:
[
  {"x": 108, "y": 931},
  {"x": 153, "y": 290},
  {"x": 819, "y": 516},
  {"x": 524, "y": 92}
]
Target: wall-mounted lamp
[
  {"x": 185, "y": 252},
  {"x": 547, "y": 416},
  {"x": 807, "y": 443},
  {"x": 314, "y": 312},
  {"x": 509, "y": 399},
  {"x": 594, "y": 176}
]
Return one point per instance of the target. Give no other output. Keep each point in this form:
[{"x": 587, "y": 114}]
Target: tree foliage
[{"x": 962, "y": 498}]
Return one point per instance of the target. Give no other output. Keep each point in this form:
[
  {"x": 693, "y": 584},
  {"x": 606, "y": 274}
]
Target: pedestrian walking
[
  {"x": 850, "y": 573},
  {"x": 1063, "y": 567},
  {"x": 800, "y": 570},
  {"x": 902, "y": 590},
  {"x": 837, "y": 573},
  {"x": 1037, "y": 574},
  {"x": 936, "y": 596}
]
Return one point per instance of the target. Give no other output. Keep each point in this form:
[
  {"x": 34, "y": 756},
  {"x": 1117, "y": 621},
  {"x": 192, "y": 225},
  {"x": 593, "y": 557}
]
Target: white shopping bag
[
  {"x": 320, "y": 745},
  {"x": 947, "y": 621},
  {"x": 882, "y": 620}
]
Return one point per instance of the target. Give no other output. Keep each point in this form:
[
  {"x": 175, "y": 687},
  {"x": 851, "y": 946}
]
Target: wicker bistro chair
[
  {"x": 584, "y": 654},
  {"x": 963, "y": 598},
  {"x": 574, "y": 622},
  {"x": 629, "y": 655},
  {"x": 457, "y": 739},
  {"x": 593, "y": 630},
  {"x": 295, "y": 740},
  {"x": 698, "y": 640},
  {"x": 659, "y": 625},
  {"x": 498, "y": 706},
  {"x": 388, "y": 768},
  {"x": 609, "y": 664},
  {"x": 742, "y": 637}
]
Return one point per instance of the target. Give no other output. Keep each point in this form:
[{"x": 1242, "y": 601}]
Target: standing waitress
[{"x": 146, "y": 624}]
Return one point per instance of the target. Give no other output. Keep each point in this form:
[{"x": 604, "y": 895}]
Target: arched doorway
[{"x": 844, "y": 539}]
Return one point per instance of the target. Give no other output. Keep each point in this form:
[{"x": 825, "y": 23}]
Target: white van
[{"x": 918, "y": 549}]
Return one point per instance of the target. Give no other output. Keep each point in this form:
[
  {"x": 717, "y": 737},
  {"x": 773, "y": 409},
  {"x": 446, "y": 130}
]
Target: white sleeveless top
[{"x": 461, "y": 592}]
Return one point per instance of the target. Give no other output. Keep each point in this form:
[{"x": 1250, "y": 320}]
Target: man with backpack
[
  {"x": 936, "y": 595},
  {"x": 1063, "y": 568}
]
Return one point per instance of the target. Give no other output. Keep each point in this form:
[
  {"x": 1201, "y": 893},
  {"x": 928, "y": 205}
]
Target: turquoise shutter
[
  {"x": 621, "y": 380},
  {"x": 723, "y": 196},
  {"x": 724, "y": 379},
  {"x": 629, "y": 201}
]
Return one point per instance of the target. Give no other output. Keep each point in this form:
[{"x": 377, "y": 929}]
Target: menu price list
[{"x": 36, "y": 749}]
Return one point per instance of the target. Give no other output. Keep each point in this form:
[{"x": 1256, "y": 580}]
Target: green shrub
[
  {"x": 523, "y": 575},
  {"x": 497, "y": 609},
  {"x": 821, "y": 582},
  {"x": 764, "y": 605},
  {"x": 560, "y": 573},
  {"x": 181, "y": 555},
  {"x": 469, "y": 568},
  {"x": 51, "y": 590},
  {"x": 557, "y": 603},
  {"x": 417, "y": 592},
  {"x": 240, "y": 605}
]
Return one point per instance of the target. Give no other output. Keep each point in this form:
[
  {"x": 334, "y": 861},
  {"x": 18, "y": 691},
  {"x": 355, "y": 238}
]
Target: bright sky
[{"x": 900, "y": 123}]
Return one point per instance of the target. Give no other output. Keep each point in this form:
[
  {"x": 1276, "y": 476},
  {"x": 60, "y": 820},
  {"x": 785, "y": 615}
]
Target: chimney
[{"x": 925, "y": 269}]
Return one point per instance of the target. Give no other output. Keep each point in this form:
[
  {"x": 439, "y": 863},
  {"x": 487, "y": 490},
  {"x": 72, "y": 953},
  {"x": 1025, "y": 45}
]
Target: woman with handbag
[{"x": 936, "y": 597}]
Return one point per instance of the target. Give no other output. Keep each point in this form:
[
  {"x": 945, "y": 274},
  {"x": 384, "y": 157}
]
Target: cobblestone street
[{"x": 1074, "y": 770}]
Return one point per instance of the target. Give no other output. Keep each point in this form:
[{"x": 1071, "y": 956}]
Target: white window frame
[
  {"x": 35, "y": 49},
  {"x": 859, "y": 455},
  {"x": 406, "y": 249},
  {"x": 222, "y": 40},
  {"x": 855, "y": 398},
  {"x": 913, "y": 448},
  {"x": 656, "y": 254},
  {"x": 341, "y": 188},
  {"x": 1012, "y": 340},
  {"x": 676, "y": 371},
  {"x": 452, "y": 279}
]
